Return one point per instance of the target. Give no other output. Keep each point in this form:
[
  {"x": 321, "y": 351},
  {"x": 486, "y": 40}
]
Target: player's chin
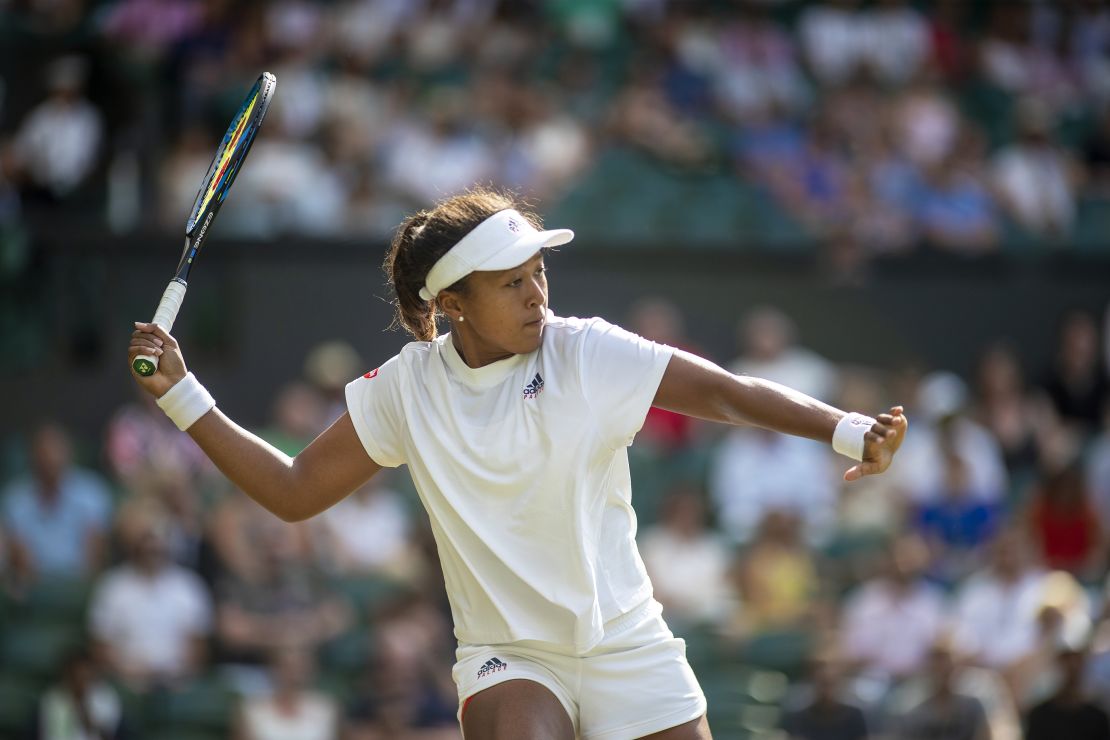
[{"x": 529, "y": 340}]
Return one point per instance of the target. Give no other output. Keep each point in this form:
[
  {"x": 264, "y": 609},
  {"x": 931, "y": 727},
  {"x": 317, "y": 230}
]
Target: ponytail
[{"x": 422, "y": 239}]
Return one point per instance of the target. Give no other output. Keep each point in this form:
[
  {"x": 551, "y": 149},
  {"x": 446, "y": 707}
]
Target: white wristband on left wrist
[
  {"x": 848, "y": 438},
  {"x": 186, "y": 402}
]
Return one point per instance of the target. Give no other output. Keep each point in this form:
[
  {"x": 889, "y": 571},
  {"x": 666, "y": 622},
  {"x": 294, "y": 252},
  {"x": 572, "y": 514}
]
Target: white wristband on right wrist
[
  {"x": 186, "y": 402},
  {"x": 848, "y": 436}
]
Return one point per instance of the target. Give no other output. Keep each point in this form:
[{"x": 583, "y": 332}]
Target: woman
[{"x": 514, "y": 427}]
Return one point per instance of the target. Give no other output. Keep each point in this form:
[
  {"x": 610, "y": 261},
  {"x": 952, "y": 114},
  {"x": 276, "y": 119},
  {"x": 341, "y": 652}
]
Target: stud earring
[{"x": 461, "y": 319}]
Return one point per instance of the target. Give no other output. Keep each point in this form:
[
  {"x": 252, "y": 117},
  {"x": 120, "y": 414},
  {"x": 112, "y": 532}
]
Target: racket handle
[{"x": 165, "y": 315}]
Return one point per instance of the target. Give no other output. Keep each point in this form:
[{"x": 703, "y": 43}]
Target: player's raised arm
[
  {"x": 293, "y": 488},
  {"x": 697, "y": 387}
]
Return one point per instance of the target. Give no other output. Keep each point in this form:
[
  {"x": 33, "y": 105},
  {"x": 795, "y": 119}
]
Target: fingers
[
  {"x": 880, "y": 431},
  {"x": 858, "y": 471},
  {"x": 145, "y": 345},
  {"x": 161, "y": 334}
]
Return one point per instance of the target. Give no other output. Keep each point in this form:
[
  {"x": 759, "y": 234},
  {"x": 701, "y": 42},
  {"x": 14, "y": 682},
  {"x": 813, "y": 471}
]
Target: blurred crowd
[
  {"x": 869, "y": 128},
  {"x": 964, "y": 594},
  {"x": 965, "y": 591}
]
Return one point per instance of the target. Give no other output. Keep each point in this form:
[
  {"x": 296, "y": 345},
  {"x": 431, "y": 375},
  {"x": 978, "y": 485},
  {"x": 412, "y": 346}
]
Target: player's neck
[{"x": 472, "y": 353}]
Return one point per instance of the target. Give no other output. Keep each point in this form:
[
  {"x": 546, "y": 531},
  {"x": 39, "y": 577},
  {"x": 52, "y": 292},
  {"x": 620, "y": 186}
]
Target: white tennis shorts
[{"x": 634, "y": 683}]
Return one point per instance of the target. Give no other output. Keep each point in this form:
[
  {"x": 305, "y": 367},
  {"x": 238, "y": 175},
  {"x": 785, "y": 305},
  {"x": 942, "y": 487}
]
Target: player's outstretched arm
[
  {"x": 696, "y": 387},
  {"x": 293, "y": 488}
]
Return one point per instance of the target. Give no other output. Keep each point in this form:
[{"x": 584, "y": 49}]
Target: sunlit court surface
[{"x": 561, "y": 369}]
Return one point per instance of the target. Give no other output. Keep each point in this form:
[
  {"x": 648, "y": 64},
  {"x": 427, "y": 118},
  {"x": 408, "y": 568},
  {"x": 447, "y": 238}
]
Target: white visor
[{"x": 502, "y": 241}]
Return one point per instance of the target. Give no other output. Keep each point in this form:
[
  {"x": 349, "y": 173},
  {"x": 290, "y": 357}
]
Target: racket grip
[{"x": 168, "y": 307}]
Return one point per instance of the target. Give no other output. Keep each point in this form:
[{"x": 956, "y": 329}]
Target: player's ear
[{"x": 449, "y": 304}]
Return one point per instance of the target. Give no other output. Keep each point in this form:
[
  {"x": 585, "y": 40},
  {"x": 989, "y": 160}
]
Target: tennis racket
[{"x": 213, "y": 190}]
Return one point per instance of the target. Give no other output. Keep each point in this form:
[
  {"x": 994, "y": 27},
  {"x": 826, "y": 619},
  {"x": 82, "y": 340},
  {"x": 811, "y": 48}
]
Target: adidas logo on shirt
[
  {"x": 492, "y": 666},
  {"x": 534, "y": 388}
]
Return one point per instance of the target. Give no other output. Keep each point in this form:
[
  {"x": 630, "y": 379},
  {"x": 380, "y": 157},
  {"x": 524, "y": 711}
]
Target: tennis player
[{"x": 515, "y": 427}]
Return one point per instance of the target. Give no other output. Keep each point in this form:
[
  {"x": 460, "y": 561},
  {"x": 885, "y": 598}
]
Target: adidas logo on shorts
[{"x": 492, "y": 666}]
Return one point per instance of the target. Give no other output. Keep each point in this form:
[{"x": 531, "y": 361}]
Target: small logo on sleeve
[
  {"x": 493, "y": 665},
  {"x": 372, "y": 374},
  {"x": 534, "y": 388}
]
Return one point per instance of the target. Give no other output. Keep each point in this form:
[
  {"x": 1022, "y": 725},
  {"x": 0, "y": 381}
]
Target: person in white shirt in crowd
[
  {"x": 58, "y": 143},
  {"x": 890, "y": 622},
  {"x": 149, "y": 618},
  {"x": 370, "y": 531},
  {"x": 514, "y": 427},
  {"x": 293, "y": 710},
  {"x": 755, "y": 470},
  {"x": 688, "y": 563},
  {"x": 1035, "y": 178},
  {"x": 995, "y": 610},
  {"x": 81, "y": 706}
]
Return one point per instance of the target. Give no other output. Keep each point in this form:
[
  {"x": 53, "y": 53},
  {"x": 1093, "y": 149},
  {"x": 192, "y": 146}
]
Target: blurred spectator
[
  {"x": 370, "y": 531},
  {"x": 996, "y": 609},
  {"x": 1018, "y": 54},
  {"x": 926, "y": 122},
  {"x": 1063, "y": 619},
  {"x": 688, "y": 563},
  {"x": 1097, "y": 473},
  {"x": 293, "y": 711},
  {"x": 956, "y": 520},
  {"x": 56, "y": 518},
  {"x": 889, "y": 623},
  {"x": 1035, "y": 178},
  {"x": 173, "y": 500},
  {"x": 756, "y": 67},
  {"x": 817, "y": 186},
  {"x": 777, "y": 577},
  {"x": 445, "y": 135},
  {"x": 899, "y": 43},
  {"x": 298, "y": 413},
  {"x": 150, "y": 618},
  {"x": 148, "y": 29},
  {"x": 644, "y": 118},
  {"x": 1096, "y": 156},
  {"x": 1004, "y": 409},
  {"x": 239, "y": 529},
  {"x": 660, "y": 321},
  {"x": 290, "y": 187},
  {"x": 941, "y": 424},
  {"x": 770, "y": 350},
  {"x": 405, "y": 692},
  {"x": 956, "y": 210},
  {"x": 281, "y": 601},
  {"x": 329, "y": 366},
  {"x": 826, "y": 716},
  {"x": 946, "y": 712},
  {"x": 1076, "y": 383},
  {"x": 59, "y": 141},
  {"x": 140, "y": 442},
  {"x": 755, "y": 471},
  {"x": 1069, "y": 712},
  {"x": 81, "y": 706},
  {"x": 950, "y": 50},
  {"x": 834, "y": 39},
  {"x": 1064, "y": 524}
]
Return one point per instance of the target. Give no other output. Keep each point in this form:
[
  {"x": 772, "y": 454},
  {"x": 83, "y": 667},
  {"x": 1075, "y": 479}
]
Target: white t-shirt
[
  {"x": 522, "y": 467},
  {"x": 316, "y": 718},
  {"x": 151, "y": 621}
]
